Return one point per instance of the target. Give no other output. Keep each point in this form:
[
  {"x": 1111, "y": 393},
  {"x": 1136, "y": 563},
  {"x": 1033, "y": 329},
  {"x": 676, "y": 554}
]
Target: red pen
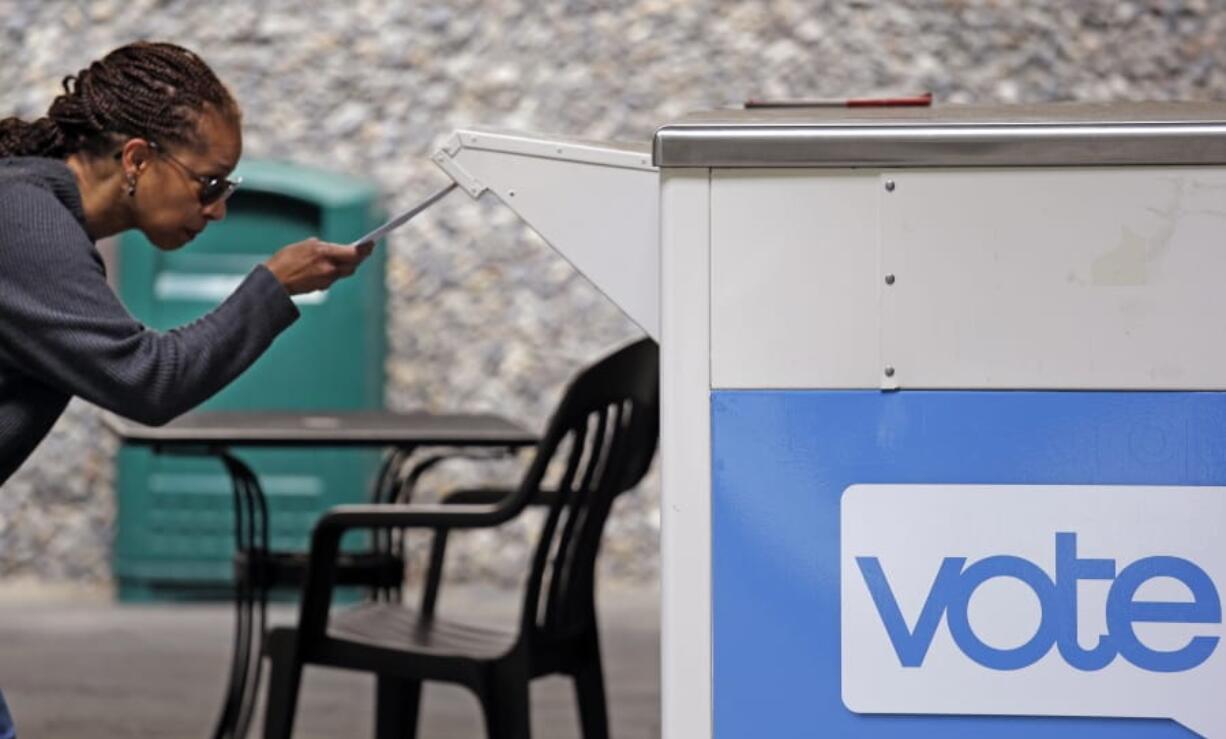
[{"x": 907, "y": 101}]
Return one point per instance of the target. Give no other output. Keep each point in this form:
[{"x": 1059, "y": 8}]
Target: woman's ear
[{"x": 135, "y": 155}]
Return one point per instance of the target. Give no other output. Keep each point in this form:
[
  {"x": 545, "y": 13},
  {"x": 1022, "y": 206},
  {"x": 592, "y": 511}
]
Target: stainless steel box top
[{"x": 1060, "y": 134}]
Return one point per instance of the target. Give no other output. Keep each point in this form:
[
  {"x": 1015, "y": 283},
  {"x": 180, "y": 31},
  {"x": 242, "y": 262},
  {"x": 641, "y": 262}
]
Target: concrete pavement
[{"x": 75, "y": 665}]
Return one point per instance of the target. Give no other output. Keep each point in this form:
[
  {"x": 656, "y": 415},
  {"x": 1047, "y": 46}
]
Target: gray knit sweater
[{"x": 63, "y": 332}]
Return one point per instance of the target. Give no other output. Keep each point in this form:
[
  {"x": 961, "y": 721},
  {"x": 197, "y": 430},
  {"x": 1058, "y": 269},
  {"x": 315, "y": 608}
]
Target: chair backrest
[{"x": 600, "y": 442}]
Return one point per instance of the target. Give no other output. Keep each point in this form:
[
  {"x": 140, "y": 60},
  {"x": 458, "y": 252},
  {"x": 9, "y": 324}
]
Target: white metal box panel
[
  {"x": 596, "y": 204},
  {"x": 794, "y": 273},
  {"x": 1104, "y": 278},
  {"x": 685, "y": 439}
]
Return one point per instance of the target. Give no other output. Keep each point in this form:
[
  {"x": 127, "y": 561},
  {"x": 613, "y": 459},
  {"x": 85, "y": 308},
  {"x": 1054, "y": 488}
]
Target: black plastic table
[{"x": 219, "y": 433}]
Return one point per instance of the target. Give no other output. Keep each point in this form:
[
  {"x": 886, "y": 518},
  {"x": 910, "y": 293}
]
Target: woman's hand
[{"x": 314, "y": 265}]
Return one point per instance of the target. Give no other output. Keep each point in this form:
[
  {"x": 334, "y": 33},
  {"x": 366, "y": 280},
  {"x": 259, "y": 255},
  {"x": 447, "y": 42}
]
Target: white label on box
[{"x": 1037, "y": 600}]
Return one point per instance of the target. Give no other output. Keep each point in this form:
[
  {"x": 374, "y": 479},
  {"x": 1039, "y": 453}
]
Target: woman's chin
[{"x": 171, "y": 242}]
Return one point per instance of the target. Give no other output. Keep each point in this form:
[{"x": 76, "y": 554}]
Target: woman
[{"x": 145, "y": 138}]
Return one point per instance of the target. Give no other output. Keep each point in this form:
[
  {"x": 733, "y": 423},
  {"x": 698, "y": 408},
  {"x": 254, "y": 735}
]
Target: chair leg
[
  {"x": 505, "y": 703},
  {"x": 396, "y": 704},
  {"x": 284, "y": 679},
  {"x": 590, "y": 694}
]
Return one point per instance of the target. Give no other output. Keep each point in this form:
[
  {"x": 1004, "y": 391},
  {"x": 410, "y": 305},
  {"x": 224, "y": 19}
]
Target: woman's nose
[{"x": 215, "y": 211}]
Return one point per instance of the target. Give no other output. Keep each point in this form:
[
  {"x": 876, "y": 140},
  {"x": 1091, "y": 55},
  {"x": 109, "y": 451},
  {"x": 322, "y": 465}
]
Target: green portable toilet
[{"x": 175, "y": 535}]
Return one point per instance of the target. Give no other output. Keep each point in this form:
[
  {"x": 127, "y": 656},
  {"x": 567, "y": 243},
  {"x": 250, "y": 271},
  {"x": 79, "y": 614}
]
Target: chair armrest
[
  {"x": 489, "y": 496},
  {"x": 408, "y": 516},
  {"x": 325, "y": 542},
  {"x": 402, "y": 491}
]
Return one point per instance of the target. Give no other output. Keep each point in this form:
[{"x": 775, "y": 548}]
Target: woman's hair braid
[{"x": 155, "y": 91}]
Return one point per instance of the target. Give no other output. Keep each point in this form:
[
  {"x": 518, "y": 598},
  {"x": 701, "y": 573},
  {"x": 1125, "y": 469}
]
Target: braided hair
[{"x": 156, "y": 91}]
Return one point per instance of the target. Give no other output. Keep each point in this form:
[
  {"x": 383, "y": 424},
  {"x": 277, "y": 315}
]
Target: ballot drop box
[{"x": 944, "y": 421}]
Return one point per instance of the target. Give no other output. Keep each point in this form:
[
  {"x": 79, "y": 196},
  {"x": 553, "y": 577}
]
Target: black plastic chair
[{"x": 601, "y": 440}]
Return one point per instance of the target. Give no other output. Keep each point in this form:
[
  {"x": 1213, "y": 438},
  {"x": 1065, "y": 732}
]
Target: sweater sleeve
[{"x": 61, "y": 323}]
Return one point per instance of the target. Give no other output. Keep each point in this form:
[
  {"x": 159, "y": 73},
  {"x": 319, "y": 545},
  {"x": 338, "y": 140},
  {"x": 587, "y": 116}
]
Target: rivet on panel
[
  {"x": 889, "y": 371},
  {"x": 889, "y": 279},
  {"x": 889, "y": 185}
]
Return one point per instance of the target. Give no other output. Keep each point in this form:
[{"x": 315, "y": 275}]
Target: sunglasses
[{"x": 212, "y": 189}]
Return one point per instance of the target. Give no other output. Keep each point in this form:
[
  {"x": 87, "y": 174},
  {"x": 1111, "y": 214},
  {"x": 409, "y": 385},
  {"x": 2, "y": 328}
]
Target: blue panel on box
[{"x": 780, "y": 462}]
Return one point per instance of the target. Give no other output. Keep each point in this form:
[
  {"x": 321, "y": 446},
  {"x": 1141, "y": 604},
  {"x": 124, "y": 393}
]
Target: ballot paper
[{"x": 404, "y": 217}]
